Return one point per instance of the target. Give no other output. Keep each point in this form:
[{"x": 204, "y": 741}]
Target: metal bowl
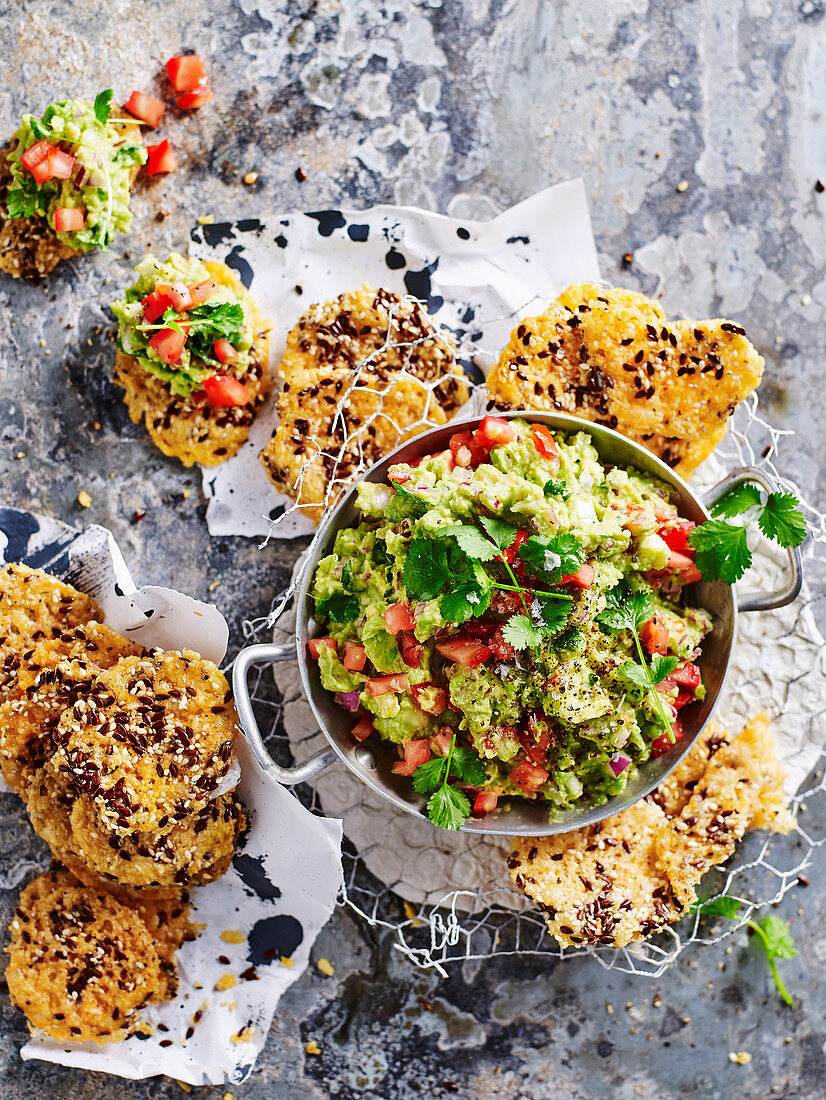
[{"x": 371, "y": 761}]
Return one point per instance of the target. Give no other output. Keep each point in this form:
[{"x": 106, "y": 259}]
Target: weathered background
[{"x": 463, "y": 107}]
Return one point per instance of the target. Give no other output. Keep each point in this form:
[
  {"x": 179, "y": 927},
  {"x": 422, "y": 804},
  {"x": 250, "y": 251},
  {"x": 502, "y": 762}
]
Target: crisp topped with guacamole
[
  {"x": 74, "y": 167},
  {"x": 508, "y": 613}
]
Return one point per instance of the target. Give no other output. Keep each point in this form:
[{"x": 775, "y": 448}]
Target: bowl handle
[
  {"x": 270, "y": 654},
  {"x": 794, "y": 577}
]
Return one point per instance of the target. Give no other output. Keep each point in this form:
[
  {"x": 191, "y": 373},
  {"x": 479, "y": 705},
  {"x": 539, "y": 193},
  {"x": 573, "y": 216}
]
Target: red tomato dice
[
  {"x": 202, "y": 292},
  {"x": 536, "y": 738},
  {"x": 544, "y": 442},
  {"x": 687, "y": 676},
  {"x": 68, "y": 219},
  {"x": 362, "y": 730},
  {"x": 512, "y": 552},
  {"x": 464, "y": 651},
  {"x": 689, "y": 573},
  {"x": 60, "y": 164},
  {"x": 398, "y": 618},
  {"x": 191, "y": 101},
  {"x": 485, "y": 802},
  {"x": 415, "y": 753},
  {"x": 146, "y": 108},
  {"x": 154, "y": 306},
  {"x": 223, "y": 389},
  {"x": 42, "y": 171},
  {"x": 355, "y": 657},
  {"x": 493, "y": 432},
  {"x": 35, "y": 155},
  {"x": 528, "y": 776},
  {"x": 654, "y": 634},
  {"x": 224, "y": 351},
  {"x": 583, "y": 578},
  {"x": 411, "y": 650},
  {"x": 499, "y": 647},
  {"x": 177, "y": 294},
  {"x": 168, "y": 343},
  {"x": 663, "y": 743},
  {"x": 683, "y": 698},
  {"x": 675, "y": 534},
  {"x": 440, "y": 698},
  {"x": 440, "y": 742},
  {"x": 186, "y": 72},
  {"x": 387, "y": 685},
  {"x": 161, "y": 158},
  {"x": 466, "y": 450},
  {"x": 314, "y": 645}
]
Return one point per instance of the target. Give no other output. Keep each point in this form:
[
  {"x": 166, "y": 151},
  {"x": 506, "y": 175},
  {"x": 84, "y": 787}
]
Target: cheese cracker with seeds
[
  {"x": 80, "y": 963},
  {"x": 361, "y": 374},
  {"x": 151, "y": 744},
  {"x": 34, "y": 607},
  {"x": 610, "y": 356}
]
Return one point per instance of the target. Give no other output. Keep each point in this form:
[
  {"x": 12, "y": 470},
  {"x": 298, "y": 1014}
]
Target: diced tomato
[
  {"x": 186, "y": 72},
  {"x": 169, "y": 343},
  {"x": 505, "y": 604},
  {"x": 480, "y": 629},
  {"x": 202, "y": 292},
  {"x": 465, "y": 450},
  {"x": 223, "y": 389},
  {"x": 411, "y": 650},
  {"x": 688, "y": 676},
  {"x": 224, "y": 351},
  {"x": 500, "y": 648},
  {"x": 42, "y": 171},
  {"x": 355, "y": 656},
  {"x": 654, "y": 634},
  {"x": 387, "y": 685},
  {"x": 154, "y": 306},
  {"x": 314, "y": 645},
  {"x": 637, "y": 519},
  {"x": 583, "y": 578},
  {"x": 398, "y": 618},
  {"x": 675, "y": 535},
  {"x": 146, "y": 108},
  {"x": 544, "y": 442},
  {"x": 663, "y": 743},
  {"x": 416, "y": 752},
  {"x": 464, "y": 651},
  {"x": 362, "y": 730},
  {"x": 60, "y": 164},
  {"x": 177, "y": 293},
  {"x": 535, "y": 738},
  {"x": 190, "y": 101},
  {"x": 528, "y": 776},
  {"x": 683, "y": 697},
  {"x": 161, "y": 158},
  {"x": 440, "y": 698},
  {"x": 493, "y": 432},
  {"x": 68, "y": 219},
  {"x": 35, "y": 155},
  {"x": 689, "y": 573},
  {"x": 485, "y": 802},
  {"x": 512, "y": 551},
  {"x": 440, "y": 742}
]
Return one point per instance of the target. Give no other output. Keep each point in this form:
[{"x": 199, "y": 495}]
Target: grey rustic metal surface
[{"x": 464, "y": 107}]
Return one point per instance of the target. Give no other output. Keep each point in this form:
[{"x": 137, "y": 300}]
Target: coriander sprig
[
  {"x": 448, "y": 807},
  {"x": 772, "y": 934},
  {"x": 626, "y": 610},
  {"x": 721, "y": 548}
]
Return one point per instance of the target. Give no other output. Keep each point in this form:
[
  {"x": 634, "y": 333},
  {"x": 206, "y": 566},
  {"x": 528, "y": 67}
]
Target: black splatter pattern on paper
[
  {"x": 252, "y": 873},
  {"x": 274, "y": 938},
  {"x": 328, "y": 221}
]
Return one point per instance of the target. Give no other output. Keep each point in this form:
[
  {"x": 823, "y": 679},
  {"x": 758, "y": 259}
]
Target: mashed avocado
[
  {"x": 226, "y": 314},
  {"x": 101, "y": 177},
  {"x": 491, "y": 586}
]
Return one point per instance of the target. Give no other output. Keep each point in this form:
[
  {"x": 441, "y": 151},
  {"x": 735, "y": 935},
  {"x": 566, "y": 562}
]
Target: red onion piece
[
  {"x": 618, "y": 763},
  {"x": 348, "y": 699}
]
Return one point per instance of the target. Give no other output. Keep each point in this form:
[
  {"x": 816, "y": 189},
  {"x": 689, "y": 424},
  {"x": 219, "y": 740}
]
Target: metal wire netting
[{"x": 467, "y": 925}]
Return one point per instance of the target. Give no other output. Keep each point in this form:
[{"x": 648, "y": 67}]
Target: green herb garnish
[
  {"x": 103, "y": 105},
  {"x": 205, "y": 324},
  {"x": 772, "y": 934},
  {"x": 448, "y": 807},
  {"x": 556, "y": 487},
  {"x": 338, "y": 608}
]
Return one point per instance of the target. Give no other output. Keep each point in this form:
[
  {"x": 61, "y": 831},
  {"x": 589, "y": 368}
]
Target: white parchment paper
[{"x": 272, "y": 903}]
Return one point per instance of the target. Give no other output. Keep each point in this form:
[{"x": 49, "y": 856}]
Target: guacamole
[
  {"x": 219, "y": 315},
  {"x": 516, "y": 597},
  {"x": 87, "y": 184}
]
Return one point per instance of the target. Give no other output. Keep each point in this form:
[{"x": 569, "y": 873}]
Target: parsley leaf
[
  {"x": 426, "y": 570},
  {"x": 338, "y": 608},
  {"x": 556, "y": 487},
  {"x": 520, "y": 632},
  {"x": 464, "y": 601},
  {"x": 721, "y": 550},
  {"x": 103, "y": 105},
  {"x": 502, "y": 533},
  {"x": 448, "y": 807},
  {"x": 404, "y": 505},
  {"x": 742, "y": 498},
  {"x": 553, "y": 557},
  {"x": 472, "y": 541},
  {"x": 782, "y": 520}
]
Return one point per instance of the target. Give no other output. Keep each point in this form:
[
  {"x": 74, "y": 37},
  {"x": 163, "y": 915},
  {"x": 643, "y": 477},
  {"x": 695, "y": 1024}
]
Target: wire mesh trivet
[{"x": 466, "y": 925}]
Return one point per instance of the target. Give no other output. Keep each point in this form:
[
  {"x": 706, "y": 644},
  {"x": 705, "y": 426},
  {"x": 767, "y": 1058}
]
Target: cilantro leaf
[
  {"x": 555, "y": 613},
  {"x": 448, "y": 807},
  {"x": 721, "y": 550},
  {"x": 724, "y": 906},
  {"x": 428, "y": 777},
  {"x": 520, "y": 632},
  {"x": 635, "y": 674},
  {"x": 404, "y": 505},
  {"x": 502, "y": 533},
  {"x": 347, "y": 579},
  {"x": 464, "y": 601},
  {"x": 740, "y": 499},
  {"x": 661, "y": 667},
  {"x": 466, "y": 766},
  {"x": 556, "y": 487},
  {"x": 426, "y": 570},
  {"x": 338, "y": 608},
  {"x": 103, "y": 105},
  {"x": 472, "y": 541},
  {"x": 776, "y": 939},
  {"x": 380, "y": 555},
  {"x": 553, "y": 557},
  {"x": 782, "y": 520},
  {"x": 647, "y": 677},
  {"x": 626, "y": 610}
]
